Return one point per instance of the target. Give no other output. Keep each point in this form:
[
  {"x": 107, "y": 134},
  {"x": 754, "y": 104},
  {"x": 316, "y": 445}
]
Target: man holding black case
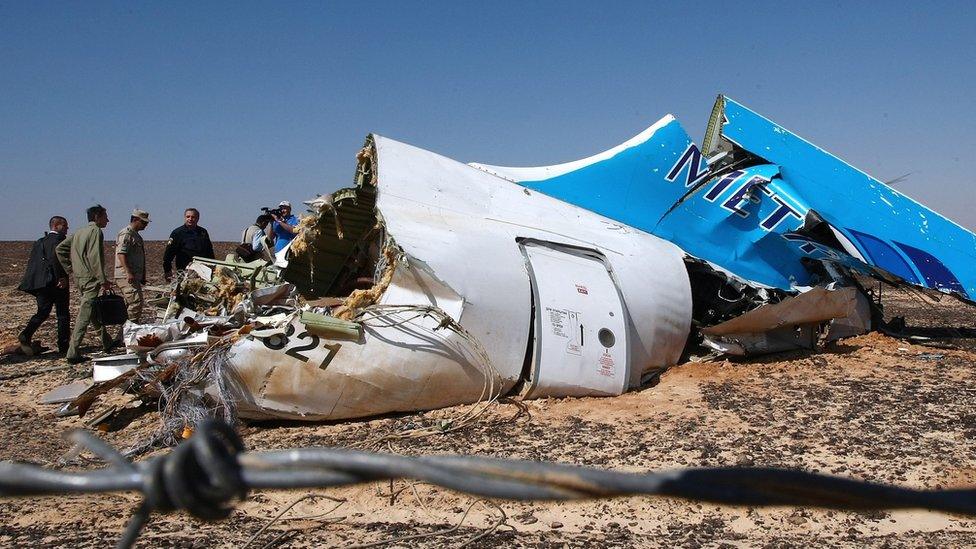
[{"x": 81, "y": 255}]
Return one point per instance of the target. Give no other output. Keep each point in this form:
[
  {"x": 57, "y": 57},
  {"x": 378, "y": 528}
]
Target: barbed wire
[{"x": 210, "y": 472}]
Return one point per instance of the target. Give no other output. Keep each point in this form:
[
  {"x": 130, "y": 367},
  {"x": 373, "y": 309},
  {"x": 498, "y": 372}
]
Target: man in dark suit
[{"x": 47, "y": 281}]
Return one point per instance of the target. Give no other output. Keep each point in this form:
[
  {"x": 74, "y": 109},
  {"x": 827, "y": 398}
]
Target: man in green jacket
[{"x": 81, "y": 255}]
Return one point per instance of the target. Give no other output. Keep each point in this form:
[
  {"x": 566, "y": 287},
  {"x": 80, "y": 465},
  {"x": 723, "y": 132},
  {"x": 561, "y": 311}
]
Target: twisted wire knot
[{"x": 201, "y": 476}]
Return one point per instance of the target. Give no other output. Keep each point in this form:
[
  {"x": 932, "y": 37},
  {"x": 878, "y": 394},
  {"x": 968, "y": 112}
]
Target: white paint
[
  {"x": 460, "y": 229},
  {"x": 404, "y": 364},
  {"x": 576, "y": 300},
  {"x": 464, "y": 224},
  {"x": 538, "y": 173},
  {"x": 414, "y": 283}
]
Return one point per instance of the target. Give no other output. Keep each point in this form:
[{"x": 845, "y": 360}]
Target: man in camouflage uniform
[
  {"x": 81, "y": 255},
  {"x": 130, "y": 263}
]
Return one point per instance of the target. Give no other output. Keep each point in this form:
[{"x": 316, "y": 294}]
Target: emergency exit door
[{"x": 580, "y": 328}]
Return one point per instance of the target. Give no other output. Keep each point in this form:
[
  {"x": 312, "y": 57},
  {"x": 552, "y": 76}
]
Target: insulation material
[
  {"x": 363, "y": 298},
  {"x": 306, "y": 231}
]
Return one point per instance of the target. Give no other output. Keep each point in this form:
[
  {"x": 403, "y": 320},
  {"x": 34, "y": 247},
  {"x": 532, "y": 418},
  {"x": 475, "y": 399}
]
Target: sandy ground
[{"x": 870, "y": 407}]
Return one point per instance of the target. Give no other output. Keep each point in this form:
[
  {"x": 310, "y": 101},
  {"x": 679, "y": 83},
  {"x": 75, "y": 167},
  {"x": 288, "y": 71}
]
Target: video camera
[{"x": 273, "y": 212}]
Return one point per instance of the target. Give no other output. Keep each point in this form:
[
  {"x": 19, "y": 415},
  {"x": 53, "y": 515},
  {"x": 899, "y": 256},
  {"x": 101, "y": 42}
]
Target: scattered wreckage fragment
[
  {"x": 763, "y": 203},
  {"x": 464, "y": 286},
  {"x": 444, "y": 286},
  {"x": 769, "y": 210},
  {"x": 432, "y": 283}
]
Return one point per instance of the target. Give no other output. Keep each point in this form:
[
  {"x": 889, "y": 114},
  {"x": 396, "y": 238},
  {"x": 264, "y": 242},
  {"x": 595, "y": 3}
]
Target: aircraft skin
[
  {"x": 583, "y": 287},
  {"x": 888, "y": 229},
  {"x": 481, "y": 272},
  {"x": 745, "y": 219}
]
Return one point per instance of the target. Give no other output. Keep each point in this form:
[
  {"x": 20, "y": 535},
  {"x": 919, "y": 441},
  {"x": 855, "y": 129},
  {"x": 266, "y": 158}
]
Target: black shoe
[
  {"x": 114, "y": 344},
  {"x": 25, "y": 345},
  {"x": 77, "y": 359}
]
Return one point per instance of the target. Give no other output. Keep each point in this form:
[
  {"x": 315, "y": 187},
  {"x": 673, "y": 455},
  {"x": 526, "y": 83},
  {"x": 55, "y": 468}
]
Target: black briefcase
[{"x": 109, "y": 309}]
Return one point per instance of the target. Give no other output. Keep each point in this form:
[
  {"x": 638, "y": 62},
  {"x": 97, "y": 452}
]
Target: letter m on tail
[{"x": 696, "y": 167}]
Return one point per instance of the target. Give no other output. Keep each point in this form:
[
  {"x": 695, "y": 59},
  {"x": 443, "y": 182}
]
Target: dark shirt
[
  {"x": 184, "y": 244},
  {"x": 43, "y": 268}
]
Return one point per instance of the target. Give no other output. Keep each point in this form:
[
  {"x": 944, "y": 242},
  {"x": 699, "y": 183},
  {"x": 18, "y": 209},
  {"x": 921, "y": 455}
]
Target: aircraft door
[{"x": 580, "y": 329}]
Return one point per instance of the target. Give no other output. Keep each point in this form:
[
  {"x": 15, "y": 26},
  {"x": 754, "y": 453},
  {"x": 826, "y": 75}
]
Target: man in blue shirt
[{"x": 284, "y": 227}]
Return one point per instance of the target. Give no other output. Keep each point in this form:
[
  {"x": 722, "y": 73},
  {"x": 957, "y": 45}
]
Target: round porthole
[
  {"x": 276, "y": 341},
  {"x": 606, "y": 337}
]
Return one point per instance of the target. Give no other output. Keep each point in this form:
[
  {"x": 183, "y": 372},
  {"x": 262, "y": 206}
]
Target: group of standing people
[{"x": 56, "y": 257}]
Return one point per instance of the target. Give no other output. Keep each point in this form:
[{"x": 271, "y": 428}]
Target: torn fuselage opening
[
  {"x": 717, "y": 297},
  {"x": 342, "y": 242}
]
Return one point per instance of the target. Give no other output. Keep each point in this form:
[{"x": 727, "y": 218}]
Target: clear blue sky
[{"x": 232, "y": 106}]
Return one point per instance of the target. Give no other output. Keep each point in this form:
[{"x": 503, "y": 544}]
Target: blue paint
[
  {"x": 847, "y": 197},
  {"x": 881, "y": 254},
  {"x": 744, "y": 220},
  {"x": 638, "y": 185},
  {"x": 718, "y": 188},
  {"x": 632, "y": 186},
  {"x": 936, "y": 274},
  {"x": 692, "y": 163}
]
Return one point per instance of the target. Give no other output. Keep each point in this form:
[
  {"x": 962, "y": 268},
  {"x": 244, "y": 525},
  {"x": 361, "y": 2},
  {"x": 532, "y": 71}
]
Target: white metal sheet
[
  {"x": 465, "y": 223},
  {"x": 404, "y": 363},
  {"x": 581, "y": 329},
  {"x": 415, "y": 284}
]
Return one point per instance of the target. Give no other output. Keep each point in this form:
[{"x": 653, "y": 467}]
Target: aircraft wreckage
[{"x": 432, "y": 283}]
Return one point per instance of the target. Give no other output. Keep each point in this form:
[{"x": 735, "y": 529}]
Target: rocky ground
[{"x": 870, "y": 407}]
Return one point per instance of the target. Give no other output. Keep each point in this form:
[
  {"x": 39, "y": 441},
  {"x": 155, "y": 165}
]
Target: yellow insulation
[
  {"x": 305, "y": 225},
  {"x": 363, "y": 298}
]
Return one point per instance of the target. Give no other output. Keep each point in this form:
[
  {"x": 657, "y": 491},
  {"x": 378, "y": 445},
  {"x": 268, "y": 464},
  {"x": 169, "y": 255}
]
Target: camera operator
[
  {"x": 285, "y": 225},
  {"x": 255, "y": 242}
]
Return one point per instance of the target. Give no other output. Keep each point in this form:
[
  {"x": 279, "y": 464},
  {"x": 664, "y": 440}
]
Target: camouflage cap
[{"x": 141, "y": 214}]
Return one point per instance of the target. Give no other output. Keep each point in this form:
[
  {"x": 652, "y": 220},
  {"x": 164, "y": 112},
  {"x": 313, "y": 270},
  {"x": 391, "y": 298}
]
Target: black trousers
[{"x": 46, "y": 299}]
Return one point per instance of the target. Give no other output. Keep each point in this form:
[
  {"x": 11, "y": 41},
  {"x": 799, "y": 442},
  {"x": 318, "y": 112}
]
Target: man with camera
[
  {"x": 47, "y": 281},
  {"x": 130, "y": 263},
  {"x": 81, "y": 256},
  {"x": 285, "y": 225},
  {"x": 186, "y": 242},
  {"x": 255, "y": 241}
]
